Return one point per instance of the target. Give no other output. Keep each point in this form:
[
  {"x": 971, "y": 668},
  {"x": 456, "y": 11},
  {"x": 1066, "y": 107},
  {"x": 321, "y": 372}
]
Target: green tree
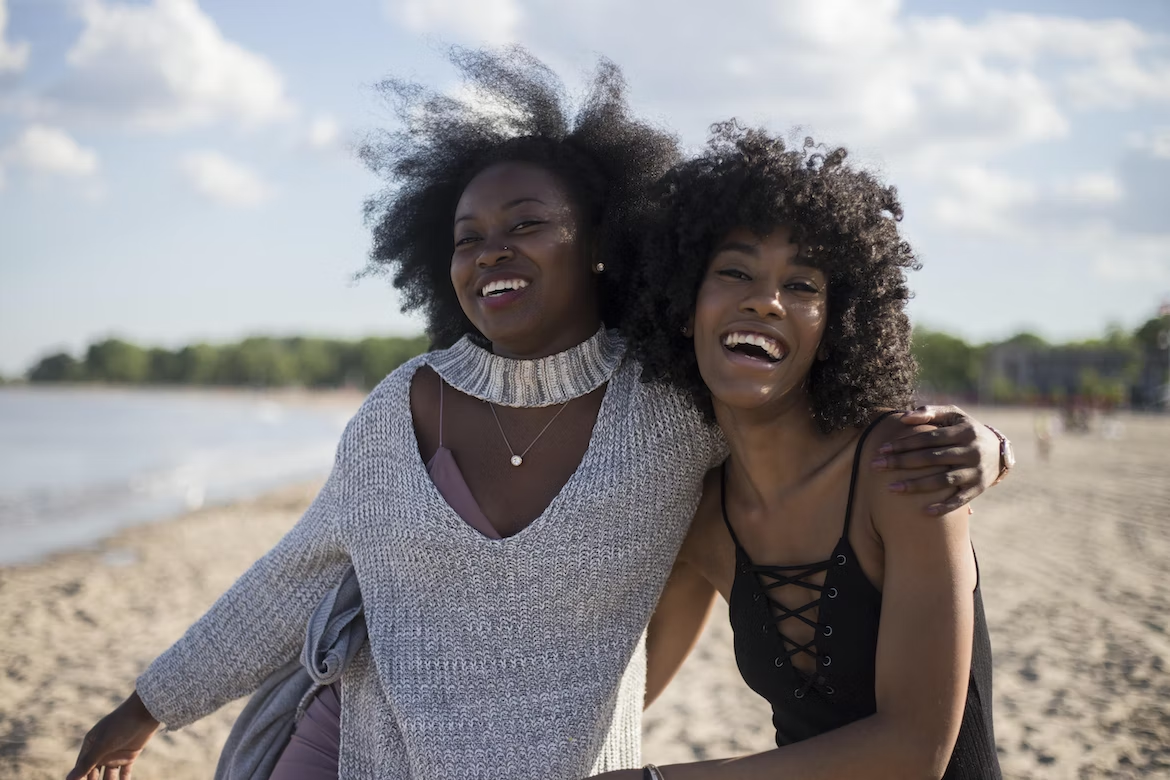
[
  {"x": 114, "y": 360},
  {"x": 165, "y": 367},
  {"x": 318, "y": 361},
  {"x": 946, "y": 363},
  {"x": 257, "y": 361},
  {"x": 60, "y": 367},
  {"x": 197, "y": 364}
]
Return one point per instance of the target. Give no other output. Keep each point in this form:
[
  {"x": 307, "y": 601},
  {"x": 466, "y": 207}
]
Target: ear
[
  {"x": 823, "y": 352},
  {"x": 688, "y": 330}
]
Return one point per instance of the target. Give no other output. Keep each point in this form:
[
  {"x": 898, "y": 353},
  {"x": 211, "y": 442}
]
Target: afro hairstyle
[
  {"x": 846, "y": 223},
  {"x": 511, "y": 108}
]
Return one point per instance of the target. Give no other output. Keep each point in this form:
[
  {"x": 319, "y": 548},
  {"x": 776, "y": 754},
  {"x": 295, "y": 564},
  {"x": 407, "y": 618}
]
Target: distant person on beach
[
  {"x": 512, "y": 502},
  {"x": 774, "y": 294}
]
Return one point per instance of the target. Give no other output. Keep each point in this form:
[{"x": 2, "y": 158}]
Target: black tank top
[{"x": 841, "y": 688}]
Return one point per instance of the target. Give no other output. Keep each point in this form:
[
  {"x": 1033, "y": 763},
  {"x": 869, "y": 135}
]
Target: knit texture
[
  {"x": 555, "y": 379},
  {"x": 519, "y": 658}
]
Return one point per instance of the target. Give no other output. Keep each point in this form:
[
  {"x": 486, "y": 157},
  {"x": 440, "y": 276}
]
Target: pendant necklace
[{"x": 517, "y": 460}]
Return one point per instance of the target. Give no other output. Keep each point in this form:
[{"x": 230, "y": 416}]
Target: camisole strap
[
  {"x": 723, "y": 503},
  {"x": 857, "y": 466},
  {"x": 441, "y": 383}
]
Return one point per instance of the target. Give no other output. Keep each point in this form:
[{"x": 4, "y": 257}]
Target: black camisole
[{"x": 847, "y": 611}]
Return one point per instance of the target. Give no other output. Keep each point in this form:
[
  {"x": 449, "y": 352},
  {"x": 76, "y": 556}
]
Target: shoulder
[
  {"x": 387, "y": 404},
  {"x": 895, "y": 513}
]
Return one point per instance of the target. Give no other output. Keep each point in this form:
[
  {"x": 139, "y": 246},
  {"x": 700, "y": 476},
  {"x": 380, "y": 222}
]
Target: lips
[{"x": 755, "y": 345}]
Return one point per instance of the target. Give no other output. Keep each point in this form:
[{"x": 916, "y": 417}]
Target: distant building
[
  {"x": 1152, "y": 388},
  {"x": 1014, "y": 371}
]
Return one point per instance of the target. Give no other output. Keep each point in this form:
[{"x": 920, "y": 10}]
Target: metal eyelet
[
  {"x": 832, "y": 593},
  {"x": 841, "y": 559},
  {"x": 798, "y": 693},
  {"x": 830, "y": 690},
  {"x": 826, "y": 661},
  {"x": 779, "y": 662},
  {"x": 828, "y": 631}
]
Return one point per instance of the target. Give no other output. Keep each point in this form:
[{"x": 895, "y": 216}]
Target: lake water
[{"x": 77, "y": 465}]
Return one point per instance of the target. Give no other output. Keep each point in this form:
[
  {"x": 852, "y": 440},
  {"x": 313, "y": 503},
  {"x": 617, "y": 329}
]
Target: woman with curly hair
[
  {"x": 774, "y": 293},
  {"x": 511, "y": 503}
]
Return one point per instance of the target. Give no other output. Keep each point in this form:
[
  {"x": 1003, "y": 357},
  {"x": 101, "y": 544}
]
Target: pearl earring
[{"x": 598, "y": 267}]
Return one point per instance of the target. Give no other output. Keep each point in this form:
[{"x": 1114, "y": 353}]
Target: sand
[{"x": 1074, "y": 554}]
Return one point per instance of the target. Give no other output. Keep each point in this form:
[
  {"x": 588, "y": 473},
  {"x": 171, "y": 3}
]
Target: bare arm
[{"x": 675, "y": 628}]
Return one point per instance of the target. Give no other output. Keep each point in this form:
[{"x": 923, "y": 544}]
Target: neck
[
  {"x": 773, "y": 448},
  {"x": 541, "y": 346}
]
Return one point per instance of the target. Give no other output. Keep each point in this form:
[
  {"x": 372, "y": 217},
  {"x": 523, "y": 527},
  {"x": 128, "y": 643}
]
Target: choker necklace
[{"x": 547, "y": 381}]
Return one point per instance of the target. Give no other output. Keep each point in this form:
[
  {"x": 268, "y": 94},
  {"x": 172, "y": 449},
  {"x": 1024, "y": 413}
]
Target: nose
[
  {"x": 763, "y": 301},
  {"x": 494, "y": 253}
]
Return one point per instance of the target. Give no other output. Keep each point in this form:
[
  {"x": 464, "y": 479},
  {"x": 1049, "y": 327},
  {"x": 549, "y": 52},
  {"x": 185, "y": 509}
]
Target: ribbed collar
[{"x": 555, "y": 379}]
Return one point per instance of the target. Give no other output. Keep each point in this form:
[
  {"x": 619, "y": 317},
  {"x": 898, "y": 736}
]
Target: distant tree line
[
  {"x": 950, "y": 366},
  {"x": 260, "y": 362}
]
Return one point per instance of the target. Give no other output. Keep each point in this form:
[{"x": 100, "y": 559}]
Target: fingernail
[
  {"x": 886, "y": 448},
  {"x": 879, "y": 463},
  {"x": 934, "y": 510},
  {"x": 897, "y": 487}
]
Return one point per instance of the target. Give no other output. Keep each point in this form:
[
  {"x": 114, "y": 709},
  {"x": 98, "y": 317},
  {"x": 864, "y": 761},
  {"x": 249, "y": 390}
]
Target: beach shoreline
[{"x": 1073, "y": 553}]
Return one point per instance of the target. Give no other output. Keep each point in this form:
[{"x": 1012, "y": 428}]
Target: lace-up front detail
[
  {"x": 768, "y": 581},
  {"x": 775, "y": 639}
]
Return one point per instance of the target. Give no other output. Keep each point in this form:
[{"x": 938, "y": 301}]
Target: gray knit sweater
[{"x": 515, "y": 658}]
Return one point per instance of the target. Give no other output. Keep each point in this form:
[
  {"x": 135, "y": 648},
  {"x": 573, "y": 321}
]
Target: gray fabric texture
[
  {"x": 515, "y": 658},
  {"x": 335, "y": 633}
]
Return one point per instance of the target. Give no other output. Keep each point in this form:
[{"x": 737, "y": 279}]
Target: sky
[{"x": 182, "y": 170}]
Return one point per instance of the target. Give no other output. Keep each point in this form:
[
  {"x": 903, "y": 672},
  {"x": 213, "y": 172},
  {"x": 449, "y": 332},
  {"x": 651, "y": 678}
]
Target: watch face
[{"x": 1009, "y": 455}]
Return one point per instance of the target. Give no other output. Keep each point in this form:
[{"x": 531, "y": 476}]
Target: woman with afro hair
[
  {"x": 773, "y": 292},
  {"x": 510, "y": 503}
]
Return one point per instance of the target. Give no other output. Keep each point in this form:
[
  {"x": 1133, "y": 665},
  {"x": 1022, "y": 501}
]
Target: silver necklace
[{"x": 518, "y": 460}]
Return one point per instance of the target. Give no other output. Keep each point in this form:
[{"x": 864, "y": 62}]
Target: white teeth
[
  {"x": 502, "y": 285},
  {"x": 771, "y": 346}
]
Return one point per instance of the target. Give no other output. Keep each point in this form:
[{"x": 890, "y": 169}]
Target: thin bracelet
[{"x": 651, "y": 772}]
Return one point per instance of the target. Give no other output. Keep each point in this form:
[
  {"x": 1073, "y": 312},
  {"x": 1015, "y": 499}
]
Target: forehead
[
  {"x": 775, "y": 246},
  {"x": 505, "y": 182}
]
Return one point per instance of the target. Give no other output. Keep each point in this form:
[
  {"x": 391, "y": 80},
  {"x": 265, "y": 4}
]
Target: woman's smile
[{"x": 759, "y": 318}]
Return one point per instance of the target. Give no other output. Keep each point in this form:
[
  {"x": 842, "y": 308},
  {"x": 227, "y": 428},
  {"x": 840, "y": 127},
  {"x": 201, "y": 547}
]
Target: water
[{"x": 77, "y": 465}]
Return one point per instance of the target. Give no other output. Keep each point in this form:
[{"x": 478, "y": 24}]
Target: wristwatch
[{"x": 1007, "y": 455}]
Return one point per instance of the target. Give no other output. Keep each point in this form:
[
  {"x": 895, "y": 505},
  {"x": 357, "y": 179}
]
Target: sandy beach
[{"x": 1074, "y": 554}]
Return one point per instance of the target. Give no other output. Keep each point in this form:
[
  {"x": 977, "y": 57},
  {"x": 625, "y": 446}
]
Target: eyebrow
[
  {"x": 738, "y": 246},
  {"x": 509, "y": 205}
]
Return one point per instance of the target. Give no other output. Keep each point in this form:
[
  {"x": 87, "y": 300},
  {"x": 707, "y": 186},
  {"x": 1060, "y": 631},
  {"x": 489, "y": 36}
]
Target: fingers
[
  {"x": 963, "y": 456},
  {"x": 961, "y": 479},
  {"x": 86, "y": 764},
  {"x": 954, "y": 502},
  {"x": 940, "y": 437},
  {"x": 935, "y": 415}
]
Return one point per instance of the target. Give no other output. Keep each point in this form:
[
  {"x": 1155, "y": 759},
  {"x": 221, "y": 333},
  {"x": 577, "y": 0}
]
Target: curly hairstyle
[
  {"x": 845, "y": 222},
  {"x": 513, "y": 109}
]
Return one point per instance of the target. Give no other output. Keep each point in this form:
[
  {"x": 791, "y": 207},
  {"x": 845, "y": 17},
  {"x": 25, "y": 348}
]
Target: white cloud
[
  {"x": 486, "y": 21},
  {"x": 1144, "y": 259},
  {"x": 1100, "y": 188},
  {"x": 13, "y": 56},
  {"x": 323, "y": 132},
  {"x": 44, "y": 149},
  {"x": 223, "y": 180},
  {"x": 978, "y": 198},
  {"x": 1156, "y": 143},
  {"x": 166, "y": 66}
]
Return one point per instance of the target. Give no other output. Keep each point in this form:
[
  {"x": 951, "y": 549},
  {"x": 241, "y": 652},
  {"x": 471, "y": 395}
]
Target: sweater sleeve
[{"x": 256, "y": 627}]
